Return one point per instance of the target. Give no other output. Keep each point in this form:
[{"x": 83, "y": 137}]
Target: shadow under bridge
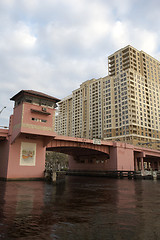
[{"x": 78, "y": 148}]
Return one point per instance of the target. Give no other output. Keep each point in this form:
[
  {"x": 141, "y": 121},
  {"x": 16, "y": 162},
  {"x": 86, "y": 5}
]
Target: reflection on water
[{"x": 81, "y": 209}]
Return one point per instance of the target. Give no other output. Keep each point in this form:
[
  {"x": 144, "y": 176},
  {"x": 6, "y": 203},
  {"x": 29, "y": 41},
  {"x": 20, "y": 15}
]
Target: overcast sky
[{"x": 53, "y": 46}]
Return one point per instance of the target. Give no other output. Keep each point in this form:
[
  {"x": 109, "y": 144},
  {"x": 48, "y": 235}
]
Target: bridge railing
[
  {"x": 4, "y": 127},
  {"x": 3, "y": 133}
]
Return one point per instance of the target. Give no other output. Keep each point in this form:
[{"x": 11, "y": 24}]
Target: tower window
[{"x": 39, "y": 120}]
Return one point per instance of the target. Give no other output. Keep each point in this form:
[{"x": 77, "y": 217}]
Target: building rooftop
[{"x": 33, "y": 93}]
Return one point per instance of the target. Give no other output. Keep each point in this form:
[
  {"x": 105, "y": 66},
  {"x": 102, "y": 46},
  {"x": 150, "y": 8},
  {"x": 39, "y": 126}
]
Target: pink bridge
[
  {"x": 31, "y": 132},
  {"x": 106, "y": 155}
]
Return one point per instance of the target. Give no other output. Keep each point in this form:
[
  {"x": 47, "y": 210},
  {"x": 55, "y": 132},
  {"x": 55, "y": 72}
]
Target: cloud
[
  {"x": 142, "y": 39},
  {"x": 54, "y": 45},
  {"x": 17, "y": 39}
]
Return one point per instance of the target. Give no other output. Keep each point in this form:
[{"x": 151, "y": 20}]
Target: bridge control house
[{"x": 23, "y": 146}]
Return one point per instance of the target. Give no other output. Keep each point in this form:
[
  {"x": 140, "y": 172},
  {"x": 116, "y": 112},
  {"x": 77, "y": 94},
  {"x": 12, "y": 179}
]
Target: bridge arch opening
[{"x": 83, "y": 158}]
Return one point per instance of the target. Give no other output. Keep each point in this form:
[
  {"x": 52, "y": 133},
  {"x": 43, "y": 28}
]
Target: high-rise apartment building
[
  {"x": 123, "y": 106},
  {"x": 63, "y": 122},
  {"x": 81, "y": 115}
]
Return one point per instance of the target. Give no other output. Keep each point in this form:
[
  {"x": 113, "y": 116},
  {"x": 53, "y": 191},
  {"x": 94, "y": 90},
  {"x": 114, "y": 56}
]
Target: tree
[{"x": 56, "y": 161}]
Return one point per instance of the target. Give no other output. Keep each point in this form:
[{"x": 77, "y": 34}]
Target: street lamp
[{"x": 2, "y": 109}]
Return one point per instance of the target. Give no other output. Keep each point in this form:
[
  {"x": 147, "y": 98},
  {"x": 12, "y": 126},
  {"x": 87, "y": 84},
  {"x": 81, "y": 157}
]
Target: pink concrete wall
[
  {"x": 125, "y": 158},
  {"x": 99, "y": 163},
  {"x": 121, "y": 159},
  {"x": 112, "y": 162},
  {"x": 28, "y": 115},
  {"x": 17, "y": 114},
  {"x": 96, "y": 164},
  {"x": 37, "y": 127},
  {"x": 15, "y": 121},
  {"x": 35, "y": 131},
  {"x": 16, "y": 171},
  {"x": 4, "y": 151},
  {"x": 21, "y": 121}
]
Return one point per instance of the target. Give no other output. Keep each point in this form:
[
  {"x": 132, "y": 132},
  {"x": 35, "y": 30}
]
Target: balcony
[
  {"x": 126, "y": 67},
  {"x": 112, "y": 67},
  {"x": 111, "y": 61},
  {"x": 125, "y": 51},
  {"x": 111, "y": 58},
  {"x": 126, "y": 59}
]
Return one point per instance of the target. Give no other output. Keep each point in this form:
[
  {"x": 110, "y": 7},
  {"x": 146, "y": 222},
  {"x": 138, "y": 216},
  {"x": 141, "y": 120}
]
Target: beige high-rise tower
[{"x": 123, "y": 106}]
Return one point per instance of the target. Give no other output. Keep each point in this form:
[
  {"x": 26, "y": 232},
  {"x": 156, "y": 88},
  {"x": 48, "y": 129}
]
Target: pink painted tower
[{"x": 31, "y": 129}]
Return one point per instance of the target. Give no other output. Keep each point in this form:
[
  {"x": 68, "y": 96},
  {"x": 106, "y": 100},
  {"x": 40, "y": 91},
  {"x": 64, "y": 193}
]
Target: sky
[{"x": 52, "y": 46}]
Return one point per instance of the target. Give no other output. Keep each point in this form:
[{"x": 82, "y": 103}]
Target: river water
[{"x": 82, "y": 208}]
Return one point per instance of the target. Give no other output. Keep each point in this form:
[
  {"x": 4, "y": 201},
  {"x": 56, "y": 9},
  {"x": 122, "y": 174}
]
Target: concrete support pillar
[
  {"x": 147, "y": 165},
  {"x": 142, "y": 163},
  {"x": 136, "y": 164},
  {"x": 152, "y": 166},
  {"x": 158, "y": 165},
  {"x": 54, "y": 177}
]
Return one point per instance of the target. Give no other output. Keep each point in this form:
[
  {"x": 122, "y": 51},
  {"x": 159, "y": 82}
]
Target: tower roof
[{"x": 34, "y": 93}]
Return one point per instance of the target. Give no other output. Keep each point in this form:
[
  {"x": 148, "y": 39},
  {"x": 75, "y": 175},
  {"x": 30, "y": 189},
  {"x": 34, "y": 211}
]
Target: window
[{"x": 39, "y": 120}]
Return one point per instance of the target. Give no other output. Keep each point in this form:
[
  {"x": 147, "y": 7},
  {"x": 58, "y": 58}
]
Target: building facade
[{"x": 123, "y": 106}]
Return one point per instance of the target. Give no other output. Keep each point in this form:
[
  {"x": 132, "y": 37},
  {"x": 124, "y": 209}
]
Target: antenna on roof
[{"x": 2, "y": 109}]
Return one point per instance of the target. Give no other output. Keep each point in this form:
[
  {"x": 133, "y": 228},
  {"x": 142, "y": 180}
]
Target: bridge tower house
[{"x": 31, "y": 128}]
